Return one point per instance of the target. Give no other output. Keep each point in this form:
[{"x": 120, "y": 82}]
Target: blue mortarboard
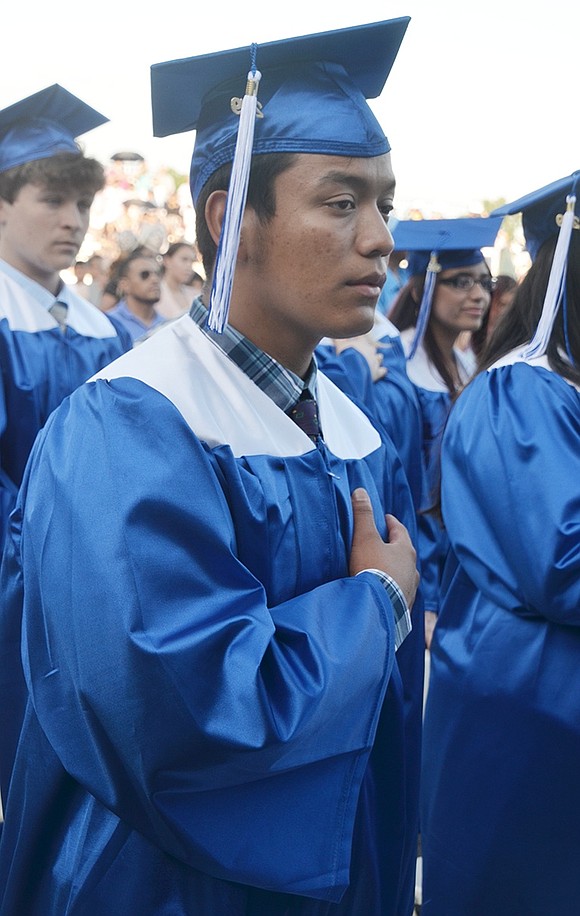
[
  {"x": 455, "y": 242},
  {"x": 433, "y": 245},
  {"x": 548, "y": 213},
  {"x": 542, "y": 211},
  {"x": 312, "y": 99},
  {"x": 42, "y": 125},
  {"x": 312, "y": 93}
]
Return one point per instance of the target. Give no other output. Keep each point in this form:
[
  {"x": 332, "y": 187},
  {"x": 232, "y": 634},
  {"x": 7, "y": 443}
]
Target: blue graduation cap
[
  {"x": 312, "y": 99},
  {"x": 548, "y": 213},
  {"x": 433, "y": 245},
  {"x": 42, "y": 125},
  {"x": 454, "y": 242},
  {"x": 542, "y": 211}
]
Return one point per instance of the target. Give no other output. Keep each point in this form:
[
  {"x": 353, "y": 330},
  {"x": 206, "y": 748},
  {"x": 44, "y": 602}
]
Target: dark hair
[
  {"x": 503, "y": 284},
  {"x": 119, "y": 268},
  {"x": 404, "y": 313},
  {"x": 66, "y": 172},
  {"x": 518, "y": 324},
  {"x": 264, "y": 170},
  {"x": 175, "y": 246}
]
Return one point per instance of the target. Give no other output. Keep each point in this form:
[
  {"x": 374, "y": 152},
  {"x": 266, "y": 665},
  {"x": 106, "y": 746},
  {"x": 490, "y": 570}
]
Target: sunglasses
[{"x": 145, "y": 274}]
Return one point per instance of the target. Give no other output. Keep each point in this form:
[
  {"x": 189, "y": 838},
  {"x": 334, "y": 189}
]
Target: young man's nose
[{"x": 376, "y": 238}]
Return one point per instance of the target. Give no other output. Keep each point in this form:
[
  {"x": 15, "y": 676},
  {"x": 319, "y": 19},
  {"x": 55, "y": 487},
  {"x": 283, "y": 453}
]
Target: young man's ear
[{"x": 215, "y": 209}]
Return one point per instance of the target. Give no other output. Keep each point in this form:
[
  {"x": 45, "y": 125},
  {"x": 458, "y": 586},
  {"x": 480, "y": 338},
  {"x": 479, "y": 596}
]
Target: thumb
[{"x": 364, "y": 520}]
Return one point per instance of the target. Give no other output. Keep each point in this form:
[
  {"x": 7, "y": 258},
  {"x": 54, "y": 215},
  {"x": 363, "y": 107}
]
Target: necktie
[
  {"x": 59, "y": 310},
  {"x": 305, "y": 415}
]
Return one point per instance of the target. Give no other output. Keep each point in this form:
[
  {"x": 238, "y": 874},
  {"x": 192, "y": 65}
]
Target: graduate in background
[
  {"x": 215, "y": 719},
  {"x": 448, "y": 293},
  {"x": 51, "y": 339},
  {"x": 502, "y": 727}
]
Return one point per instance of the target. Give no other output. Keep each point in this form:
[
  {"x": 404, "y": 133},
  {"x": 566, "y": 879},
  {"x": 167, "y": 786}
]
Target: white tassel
[
  {"x": 556, "y": 284},
  {"x": 227, "y": 252},
  {"x": 426, "y": 300}
]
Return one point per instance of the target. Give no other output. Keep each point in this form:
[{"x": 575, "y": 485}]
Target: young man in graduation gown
[
  {"x": 51, "y": 339},
  {"x": 211, "y": 594}
]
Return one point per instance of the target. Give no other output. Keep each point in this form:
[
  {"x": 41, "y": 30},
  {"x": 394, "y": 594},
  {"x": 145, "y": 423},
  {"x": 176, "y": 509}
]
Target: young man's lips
[{"x": 372, "y": 284}]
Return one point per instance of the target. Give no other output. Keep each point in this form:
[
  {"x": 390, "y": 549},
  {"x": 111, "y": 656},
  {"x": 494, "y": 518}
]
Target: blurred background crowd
[{"x": 150, "y": 210}]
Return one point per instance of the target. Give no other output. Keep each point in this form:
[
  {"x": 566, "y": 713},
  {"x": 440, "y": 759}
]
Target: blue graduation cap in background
[
  {"x": 433, "y": 245},
  {"x": 548, "y": 213},
  {"x": 455, "y": 242},
  {"x": 312, "y": 99},
  {"x": 42, "y": 125},
  {"x": 542, "y": 211}
]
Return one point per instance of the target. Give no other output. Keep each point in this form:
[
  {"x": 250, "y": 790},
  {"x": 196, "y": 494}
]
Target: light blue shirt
[{"x": 132, "y": 322}]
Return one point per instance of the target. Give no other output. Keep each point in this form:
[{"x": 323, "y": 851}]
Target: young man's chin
[{"x": 362, "y": 324}]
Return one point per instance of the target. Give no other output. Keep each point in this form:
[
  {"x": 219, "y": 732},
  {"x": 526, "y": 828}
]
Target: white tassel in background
[{"x": 556, "y": 285}]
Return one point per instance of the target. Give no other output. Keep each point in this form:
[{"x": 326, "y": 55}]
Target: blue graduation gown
[
  {"x": 348, "y": 370},
  {"x": 435, "y": 404},
  {"x": 398, "y": 407},
  {"x": 39, "y": 366},
  {"x": 502, "y": 727},
  {"x": 213, "y": 715}
]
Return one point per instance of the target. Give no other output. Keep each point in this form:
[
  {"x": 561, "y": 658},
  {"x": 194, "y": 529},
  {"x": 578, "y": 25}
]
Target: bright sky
[{"x": 480, "y": 102}]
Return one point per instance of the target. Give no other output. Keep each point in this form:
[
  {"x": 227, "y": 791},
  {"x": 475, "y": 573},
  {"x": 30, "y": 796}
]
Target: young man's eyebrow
[{"x": 356, "y": 181}]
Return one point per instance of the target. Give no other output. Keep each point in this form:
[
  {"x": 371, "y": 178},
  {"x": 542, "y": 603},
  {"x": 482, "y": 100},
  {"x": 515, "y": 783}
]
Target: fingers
[
  {"x": 396, "y": 529},
  {"x": 365, "y": 522}
]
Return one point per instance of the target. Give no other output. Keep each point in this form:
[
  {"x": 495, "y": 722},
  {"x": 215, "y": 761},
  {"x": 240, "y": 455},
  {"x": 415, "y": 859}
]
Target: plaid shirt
[
  {"x": 280, "y": 384},
  {"x": 285, "y": 388}
]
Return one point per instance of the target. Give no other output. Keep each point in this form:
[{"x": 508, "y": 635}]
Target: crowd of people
[{"x": 251, "y": 479}]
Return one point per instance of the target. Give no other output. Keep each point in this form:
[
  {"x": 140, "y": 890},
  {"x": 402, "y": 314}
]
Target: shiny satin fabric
[
  {"x": 432, "y": 538},
  {"x": 348, "y": 370},
  {"x": 398, "y": 409},
  {"x": 225, "y": 712},
  {"x": 391, "y": 404},
  {"x": 38, "y": 370},
  {"x": 502, "y": 727}
]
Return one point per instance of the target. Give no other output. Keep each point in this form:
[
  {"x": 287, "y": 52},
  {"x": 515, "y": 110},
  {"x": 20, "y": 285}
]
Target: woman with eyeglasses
[
  {"x": 500, "y": 820},
  {"x": 447, "y": 294}
]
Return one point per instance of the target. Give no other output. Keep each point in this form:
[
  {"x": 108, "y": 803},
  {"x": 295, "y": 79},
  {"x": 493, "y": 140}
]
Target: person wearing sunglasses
[
  {"x": 447, "y": 294},
  {"x": 139, "y": 285}
]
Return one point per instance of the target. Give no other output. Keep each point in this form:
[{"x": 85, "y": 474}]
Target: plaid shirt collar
[{"x": 279, "y": 383}]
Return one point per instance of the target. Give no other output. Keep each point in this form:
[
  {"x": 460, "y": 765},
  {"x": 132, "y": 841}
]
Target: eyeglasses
[
  {"x": 465, "y": 282},
  {"x": 145, "y": 274}
]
